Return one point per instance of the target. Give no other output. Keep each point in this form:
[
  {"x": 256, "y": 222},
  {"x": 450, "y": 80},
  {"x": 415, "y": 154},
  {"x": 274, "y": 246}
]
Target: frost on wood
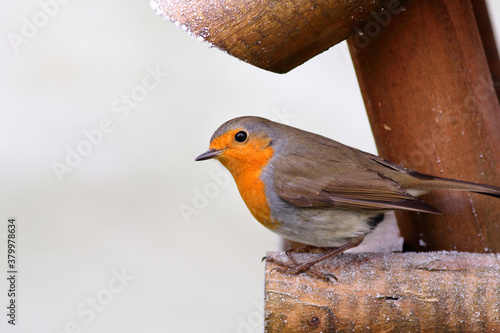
[
  {"x": 270, "y": 34},
  {"x": 400, "y": 292},
  {"x": 185, "y": 15}
]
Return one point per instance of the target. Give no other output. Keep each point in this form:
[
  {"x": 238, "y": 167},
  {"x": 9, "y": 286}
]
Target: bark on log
[{"x": 396, "y": 292}]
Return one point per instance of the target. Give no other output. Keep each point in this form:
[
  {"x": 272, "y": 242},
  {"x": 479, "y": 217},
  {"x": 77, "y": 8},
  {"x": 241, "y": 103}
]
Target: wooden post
[{"x": 431, "y": 103}]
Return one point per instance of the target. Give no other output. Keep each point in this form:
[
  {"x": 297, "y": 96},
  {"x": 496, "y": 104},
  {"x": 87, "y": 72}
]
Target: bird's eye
[{"x": 241, "y": 136}]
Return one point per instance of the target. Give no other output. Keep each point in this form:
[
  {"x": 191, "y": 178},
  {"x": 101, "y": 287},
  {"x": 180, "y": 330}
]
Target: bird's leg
[
  {"x": 305, "y": 249},
  {"x": 297, "y": 268},
  {"x": 302, "y": 249}
]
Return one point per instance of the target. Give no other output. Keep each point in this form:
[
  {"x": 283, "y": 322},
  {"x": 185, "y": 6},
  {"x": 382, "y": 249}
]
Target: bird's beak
[{"x": 211, "y": 153}]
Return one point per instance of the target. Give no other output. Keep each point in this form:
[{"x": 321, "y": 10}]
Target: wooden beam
[
  {"x": 394, "y": 292},
  {"x": 432, "y": 106},
  {"x": 274, "y": 35}
]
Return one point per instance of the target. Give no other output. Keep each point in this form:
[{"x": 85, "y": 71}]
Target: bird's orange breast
[
  {"x": 252, "y": 190},
  {"x": 246, "y": 164}
]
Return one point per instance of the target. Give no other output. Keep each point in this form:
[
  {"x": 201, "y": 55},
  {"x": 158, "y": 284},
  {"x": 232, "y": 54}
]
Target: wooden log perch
[{"x": 387, "y": 292}]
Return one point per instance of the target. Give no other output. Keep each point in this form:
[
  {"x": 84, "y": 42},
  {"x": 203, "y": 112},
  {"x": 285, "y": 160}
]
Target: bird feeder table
[{"x": 426, "y": 71}]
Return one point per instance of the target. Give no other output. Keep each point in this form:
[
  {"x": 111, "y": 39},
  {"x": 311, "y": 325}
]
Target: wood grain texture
[
  {"x": 275, "y": 35},
  {"x": 431, "y": 103},
  {"x": 396, "y": 292}
]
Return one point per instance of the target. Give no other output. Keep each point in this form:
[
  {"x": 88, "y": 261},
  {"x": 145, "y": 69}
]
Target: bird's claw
[{"x": 297, "y": 268}]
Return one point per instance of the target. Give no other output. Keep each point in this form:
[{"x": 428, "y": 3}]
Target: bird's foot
[
  {"x": 302, "y": 268},
  {"x": 298, "y": 268}
]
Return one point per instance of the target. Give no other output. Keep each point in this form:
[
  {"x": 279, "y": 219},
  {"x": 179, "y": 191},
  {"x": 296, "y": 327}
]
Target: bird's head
[{"x": 242, "y": 144}]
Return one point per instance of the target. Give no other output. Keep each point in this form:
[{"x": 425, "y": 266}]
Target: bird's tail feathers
[{"x": 436, "y": 183}]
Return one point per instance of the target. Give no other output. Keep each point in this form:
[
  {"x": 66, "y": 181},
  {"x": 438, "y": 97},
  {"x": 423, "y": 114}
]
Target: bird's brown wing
[{"x": 343, "y": 185}]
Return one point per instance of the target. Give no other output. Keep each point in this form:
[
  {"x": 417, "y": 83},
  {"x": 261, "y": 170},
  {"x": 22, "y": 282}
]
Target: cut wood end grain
[{"x": 402, "y": 292}]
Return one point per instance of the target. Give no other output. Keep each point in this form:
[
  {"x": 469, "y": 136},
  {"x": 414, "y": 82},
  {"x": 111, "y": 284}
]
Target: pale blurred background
[{"x": 121, "y": 240}]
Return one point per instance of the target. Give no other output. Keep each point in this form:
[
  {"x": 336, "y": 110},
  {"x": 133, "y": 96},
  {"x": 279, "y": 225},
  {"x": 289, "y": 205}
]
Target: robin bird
[{"x": 316, "y": 191}]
